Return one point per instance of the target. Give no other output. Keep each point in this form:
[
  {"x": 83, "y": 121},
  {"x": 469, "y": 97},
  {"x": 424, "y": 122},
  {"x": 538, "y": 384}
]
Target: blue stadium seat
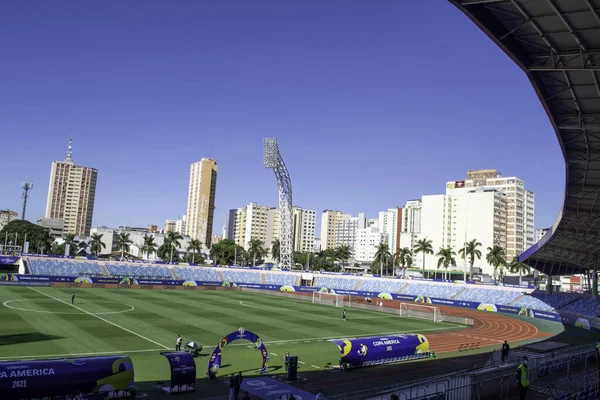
[
  {"x": 337, "y": 282},
  {"x": 63, "y": 267},
  {"x": 241, "y": 276},
  {"x": 197, "y": 274}
]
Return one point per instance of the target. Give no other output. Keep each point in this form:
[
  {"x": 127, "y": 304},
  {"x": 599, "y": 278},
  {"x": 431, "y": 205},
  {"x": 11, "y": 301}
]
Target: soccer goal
[
  {"x": 332, "y": 299},
  {"x": 420, "y": 311}
]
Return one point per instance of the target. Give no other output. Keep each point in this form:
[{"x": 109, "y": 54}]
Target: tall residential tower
[
  {"x": 201, "y": 200},
  {"x": 71, "y": 194}
]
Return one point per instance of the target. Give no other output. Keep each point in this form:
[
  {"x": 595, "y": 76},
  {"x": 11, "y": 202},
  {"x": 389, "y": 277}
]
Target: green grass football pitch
[{"x": 39, "y": 322}]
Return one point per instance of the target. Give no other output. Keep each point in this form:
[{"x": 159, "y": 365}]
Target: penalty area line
[
  {"x": 101, "y": 319},
  {"x": 78, "y": 354}
]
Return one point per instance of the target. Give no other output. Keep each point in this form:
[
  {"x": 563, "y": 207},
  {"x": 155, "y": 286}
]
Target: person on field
[
  {"x": 238, "y": 382},
  {"x": 505, "y": 350},
  {"x": 178, "y": 343},
  {"x": 232, "y": 381},
  {"x": 344, "y": 314},
  {"x": 73, "y": 298},
  {"x": 523, "y": 379}
]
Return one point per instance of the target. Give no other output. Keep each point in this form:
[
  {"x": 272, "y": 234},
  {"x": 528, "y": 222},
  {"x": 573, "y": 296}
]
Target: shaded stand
[{"x": 183, "y": 372}]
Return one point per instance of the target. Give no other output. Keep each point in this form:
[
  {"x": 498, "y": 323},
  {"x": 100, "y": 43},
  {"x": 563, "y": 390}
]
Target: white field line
[
  {"x": 101, "y": 319},
  {"x": 314, "y": 366},
  {"x": 78, "y": 354},
  {"x": 301, "y": 362}
]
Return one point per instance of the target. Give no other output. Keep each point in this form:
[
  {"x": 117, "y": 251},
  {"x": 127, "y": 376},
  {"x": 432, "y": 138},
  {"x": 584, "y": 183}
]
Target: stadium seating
[
  {"x": 533, "y": 303},
  {"x": 63, "y": 267},
  {"x": 588, "y": 393},
  {"x": 382, "y": 285},
  {"x": 133, "y": 270},
  {"x": 197, "y": 274},
  {"x": 584, "y": 306},
  {"x": 439, "y": 291},
  {"x": 492, "y": 296},
  {"x": 281, "y": 279},
  {"x": 556, "y": 300},
  {"x": 240, "y": 276},
  {"x": 336, "y": 282}
]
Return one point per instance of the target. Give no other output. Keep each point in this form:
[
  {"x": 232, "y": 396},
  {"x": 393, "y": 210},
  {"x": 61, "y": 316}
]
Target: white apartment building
[
  {"x": 169, "y": 226},
  {"x": 339, "y": 229},
  {"x": 390, "y": 224},
  {"x": 459, "y": 216},
  {"x": 6, "y": 216},
  {"x": 366, "y": 243},
  {"x": 304, "y": 229},
  {"x": 520, "y": 231},
  {"x": 329, "y": 222},
  {"x": 180, "y": 226},
  {"x": 202, "y": 190},
  {"x": 255, "y": 222},
  {"x": 317, "y": 247}
]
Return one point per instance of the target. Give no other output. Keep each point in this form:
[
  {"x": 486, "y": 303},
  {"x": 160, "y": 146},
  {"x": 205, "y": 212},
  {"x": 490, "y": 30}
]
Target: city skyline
[{"x": 353, "y": 137}]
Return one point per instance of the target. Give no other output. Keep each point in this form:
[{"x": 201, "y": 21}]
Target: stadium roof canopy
[{"x": 557, "y": 44}]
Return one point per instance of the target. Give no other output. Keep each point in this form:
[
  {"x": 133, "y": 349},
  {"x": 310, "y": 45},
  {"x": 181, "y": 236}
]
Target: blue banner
[
  {"x": 45, "y": 378},
  {"x": 268, "y": 389},
  {"x": 214, "y": 362},
  {"x": 183, "y": 372},
  {"x": 382, "y": 350},
  {"x": 9, "y": 260}
]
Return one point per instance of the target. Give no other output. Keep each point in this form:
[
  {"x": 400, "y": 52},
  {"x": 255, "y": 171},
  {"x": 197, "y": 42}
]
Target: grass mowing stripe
[
  {"x": 100, "y": 318},
  {"x": 77, "y": 354}
]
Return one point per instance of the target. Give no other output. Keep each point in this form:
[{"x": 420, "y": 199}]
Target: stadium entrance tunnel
[
  {"x": 377, "y": 350},
  {"x": 215, "y": 362}
]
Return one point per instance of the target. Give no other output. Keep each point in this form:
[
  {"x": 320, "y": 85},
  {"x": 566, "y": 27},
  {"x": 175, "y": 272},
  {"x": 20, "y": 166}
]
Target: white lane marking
[
  {"x": 117, "y": 352},
  {"x": 101, "y": 319},
  {"x": 274, "y": 354},
  {"x": 314, "y": 366},
  {"x": 6, "y": 304},
  {"x": 244, "y": 303},
  {"x": 301, "y": 362}
]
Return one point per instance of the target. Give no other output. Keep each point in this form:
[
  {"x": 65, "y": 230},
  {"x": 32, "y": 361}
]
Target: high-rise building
[
  {"x": 170, "y": 226},
  {"x": 201, "y": 200},
  {"x": 304, "y": 229},
  {"x": 329, "y": 222},
  {"x": 71, "y": 194},
  {"x": 520, "y": 208},
  {"x": 366, "y": 243},
  {"x": 339, "y": 229},
  {"x": 390, "y": 224},
  {"x": 317, "y": 244},
  {"x": 255, "y": 222},
  {"x": 180, "y": 226},
  {"x": 461, "y": 215},
  {"x": 6, "y": 216}
]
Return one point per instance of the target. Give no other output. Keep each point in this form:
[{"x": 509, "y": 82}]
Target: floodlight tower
[
  {"x": 273, "y": 160},
  {"x": 26, "y": 186}
]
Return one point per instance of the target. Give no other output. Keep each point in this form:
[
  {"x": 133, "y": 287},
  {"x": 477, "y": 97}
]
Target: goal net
[
  {"x": 337, "y": 300},
  {"x": 420, "y": 311}
]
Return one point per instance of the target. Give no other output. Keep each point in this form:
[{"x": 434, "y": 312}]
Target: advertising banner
[
  {"x": 382, "y": 349},
  {"x": 9, "y": 260},
  {"x": 183, "y": 372},
  {"x": 45, "y": 378},
  {"x": 214, "y": 362},
  {"x": 268, "y": 388}
]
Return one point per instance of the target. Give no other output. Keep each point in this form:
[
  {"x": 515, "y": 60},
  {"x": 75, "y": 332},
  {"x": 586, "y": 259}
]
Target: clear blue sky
[{"x": 373, "y": 102}]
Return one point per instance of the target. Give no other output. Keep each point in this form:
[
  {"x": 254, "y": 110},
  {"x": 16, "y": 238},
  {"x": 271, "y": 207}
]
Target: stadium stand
[
  {"x": 489, "y": 295},
  {"x": 197, "y": 274},
  {"x": 439, "y": 291},
  {"x": 336, "y": 282},
  {"x": 584, "y": 306},
  {"x": 240, "y": 276},
  {"x": 137, "y": 270},
  {"x": 63, "y": 267},
  {"x": 382, "y": 285},
  {"x": 281, "y": 279},
  {"x": 590, "y": 392}
]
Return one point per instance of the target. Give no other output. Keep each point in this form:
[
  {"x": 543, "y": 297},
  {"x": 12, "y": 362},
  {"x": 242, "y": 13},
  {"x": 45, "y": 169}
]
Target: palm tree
[
  {"x": 446, "y": 259},
  {"x": 471, "y": 250},
  {"x": 70, "y": 240},
  {"x": 495, "y": 257},
  {"x": 123, "y": 242},
  {"x": 172, "y": 242},
  {"x": 96, "y": 244},
  {"x": 195, "y": 246},
  {"x": 403, "y": 256},
  {"x": 517, "y": 266},
  {"x": 276, "y": 250},
  {"x": 255, "y": 249},
  {"x": 423, "y": 246},
  {"x": 149, "y": 246},
  {"x": 343, "y": 253},
  {"x": 382, "y": 255},
  {"x": 45, "y": 241}
]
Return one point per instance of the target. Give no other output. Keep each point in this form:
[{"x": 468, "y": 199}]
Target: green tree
[
  {"x": 423, "y": 246},
  {"x": 194, "y": 247},
  {"x": 276, "y": 250},
  {"x": 382, "y": 256},
  {"x": 172, "y": 242},
  {"x": 404, "y": 257},
  {"x": 69, "y": 240},
  {"x": 471, "y": 250},
  {"x": 16, "y": 231},
  {"x": 123, "y": 242},
  {"x": 149, "y": 246},
  {"x": 194, "y": 258},
  {"x": 343, "y": 253},
  {"x": 517, "y": 267},
  {"x": 255, "y": 250},
  {"x": 96, "y": 244},
  {"x": 495, "y": 257},
  {"x": 446, "y": 259},
  {"x": 226, "y": 252},
  {"x": 43, "y": 241}
]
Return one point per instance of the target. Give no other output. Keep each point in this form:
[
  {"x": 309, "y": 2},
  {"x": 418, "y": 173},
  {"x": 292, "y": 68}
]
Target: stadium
[{"x": 86, "y": 328}]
